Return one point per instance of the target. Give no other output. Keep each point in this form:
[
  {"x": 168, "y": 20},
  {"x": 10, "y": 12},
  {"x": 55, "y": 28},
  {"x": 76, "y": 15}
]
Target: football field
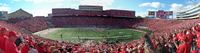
[{"x": 96, "y": 34}]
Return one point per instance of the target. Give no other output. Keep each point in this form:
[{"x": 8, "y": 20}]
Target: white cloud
[
  {"x": 175, "y": 7},
  {"x": 16, "y": 0},
  {"x": 82, "y": 2},
  {"x": 47, "y": 5},
  {"x": 118, "y": 8},
  {"x": 152, "y": 4},
  {"x": 45, "y": 1},
  {"x": 105, "y": 3},
  {"x": 152, "y": 10},
  {"x": 40, "y": 12},
  {"x": 193, "y": 1},
  {"x": 43, "y": 7},
  {"x": 142, "y": 14},
  {"x": 4, "y": 7},
  {"x": 96, "y": 2}
]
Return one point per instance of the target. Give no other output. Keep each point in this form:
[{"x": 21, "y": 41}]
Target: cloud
[
  {"x": 152, "y": 10},
  {"x": 16, "y": 0},
  {"x": 142, "y": 14},
  {"x": 47, "y": 5},
  {"x": 193, "y": 1},
  {"x": 152, "y": 4},
  {"x": 118, "y": 8},
  {"x": 105, "y": 3},
  {"x": 39, "y": 12},
  {"x": 44, "y": 1},
  {"x": 175, "y": 7},
  {"x": 96, "y": 2},
  {"x": 43, "y": 7},
  {"x": 4, "y": 7}
]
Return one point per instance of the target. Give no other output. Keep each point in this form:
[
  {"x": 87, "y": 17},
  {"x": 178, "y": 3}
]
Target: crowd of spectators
[
  {"x": 185, "y": 41},
  {"x": 169, "y": 36},
  {"x": 33, "y": 24}
]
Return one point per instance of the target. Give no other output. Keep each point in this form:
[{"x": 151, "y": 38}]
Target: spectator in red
[
  {"x": 181, "y": 36},
  {"x": 198, "y": 46},
  {"x": 196, "y": 28},
  {"x": 198, "y": 35},
  {"x": 190, "y": 35},
  {"x": 3, "y": 31},
  {"x": 140, "y": 49},
  {"x": 184, "y": 47},
  {"x": 122, "y": 50},
  {"x": 41, "y": 48},
  {"x": 25, "y": 47},
  {"x": 3, "y": 39},
  {"x": 10, "y": 44}
]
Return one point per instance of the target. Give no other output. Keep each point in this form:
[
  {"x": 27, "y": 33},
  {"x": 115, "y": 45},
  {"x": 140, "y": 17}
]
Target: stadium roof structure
[
  {"x": 192, "y": 12},
  {"x": 19, "y": 13}
]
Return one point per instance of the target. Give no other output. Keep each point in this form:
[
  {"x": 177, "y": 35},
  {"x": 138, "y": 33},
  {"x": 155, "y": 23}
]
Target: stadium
[
  {"x": 191, "y": 13},
  {"x": 82, "y": 25},
  {"x": 90, "y": 29}
]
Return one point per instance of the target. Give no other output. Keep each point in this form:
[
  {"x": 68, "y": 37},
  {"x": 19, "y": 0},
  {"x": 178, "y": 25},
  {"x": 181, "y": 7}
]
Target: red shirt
[
  {"x": 190, "y": 35},
  {"x": 95, "y": 51},
  {"x": 181, "y": 36},
  {"x": 25, "y": 49},
  {"x": 91, "y": 50},
  {"x": 31, "y": 41},
  {"x": 115, "y": 51},
  {"x": 198, "y": 34},
  {"x": 40, "y": 49},
  {"x": 196, "y": 28},
  {"x": 194, "y": 51},
  {"x": 140, "y": 50},
  {"x": 11, "y": 47},
  {"x": 123, "y": 51},
  {"x": 82, "y": 51},
  {"x": 184, "y": 48},
  {"x": 198, "y": 42},
  {"x": 154, "y": 43},
  {"x": 3, "y": 40}
]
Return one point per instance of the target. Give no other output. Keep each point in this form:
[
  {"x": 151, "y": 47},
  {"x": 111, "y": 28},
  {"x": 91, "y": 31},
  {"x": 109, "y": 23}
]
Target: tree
[{"x": 139, "y": 17}]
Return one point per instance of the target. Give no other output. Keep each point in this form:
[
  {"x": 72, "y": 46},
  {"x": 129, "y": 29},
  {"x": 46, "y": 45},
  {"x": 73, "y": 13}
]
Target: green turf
[{"x": 97, "y": 34}]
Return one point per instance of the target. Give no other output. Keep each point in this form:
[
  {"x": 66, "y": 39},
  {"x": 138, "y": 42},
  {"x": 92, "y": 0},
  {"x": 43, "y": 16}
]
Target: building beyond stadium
[
  {"x": 160, "y": 14},
  {"x": 95, "y": 11},
  {"x": 91, "y": 16},
  {"x": 192, "y": 12},
  {"x": 85, "y": 16}
]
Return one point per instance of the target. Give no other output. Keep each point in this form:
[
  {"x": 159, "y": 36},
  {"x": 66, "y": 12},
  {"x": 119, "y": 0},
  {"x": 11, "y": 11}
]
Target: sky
[{"x": 44, "y": 7}]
